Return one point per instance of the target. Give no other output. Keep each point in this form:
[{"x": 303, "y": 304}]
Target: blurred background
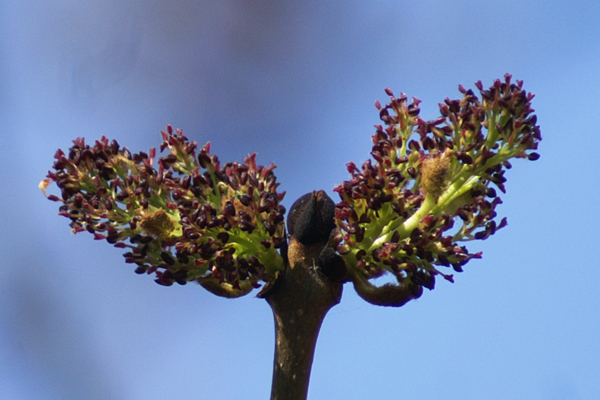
[{"x": 295, "y": 81}]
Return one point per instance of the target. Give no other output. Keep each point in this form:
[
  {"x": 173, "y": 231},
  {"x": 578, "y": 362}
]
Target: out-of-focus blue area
[{"x": 295, "y": 81}]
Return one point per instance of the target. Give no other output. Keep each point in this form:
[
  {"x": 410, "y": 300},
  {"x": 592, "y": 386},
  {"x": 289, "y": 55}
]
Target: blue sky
[{"x": 295, "y": 82}]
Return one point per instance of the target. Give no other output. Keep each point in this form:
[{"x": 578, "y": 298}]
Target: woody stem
[{"x": 300, "y": 300}]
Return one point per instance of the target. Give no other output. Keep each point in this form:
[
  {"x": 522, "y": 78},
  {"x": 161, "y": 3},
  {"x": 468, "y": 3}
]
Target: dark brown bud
[
  {"x": 311, "y": 218},
  {"x": 332, "y": 265}
]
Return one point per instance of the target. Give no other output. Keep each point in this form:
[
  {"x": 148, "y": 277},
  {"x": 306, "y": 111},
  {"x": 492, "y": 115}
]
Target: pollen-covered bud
[
  {"x": 157, "y": 223},
  {"x": 434, "y": 170}
]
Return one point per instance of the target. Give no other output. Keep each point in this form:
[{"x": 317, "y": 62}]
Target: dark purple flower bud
[
  {"x": 204, "y": 159},
  {"x": 167, "y": 258},
  {"x": 113, "y": 238},
  {"x": 374, "y": 203},
  {"x": 424, "y": 279},
  {"x": 180, "y": 277},
  {"x": 457, "y": 267},
  {"x": 269, "y": 227},
  {"x": 414, "y": 145},
  {"x": 141, "y": 269},
  {"x": 482, "y": 235},
  {"x": 122, "y": 195},
  {"x": 253, "y": 181},
  {"x": 247, "y": 226},
  {"x": 360, "y": 254},
  {"x": 359, "y": 235},
  {"x": 443, "y": 259},
  {"x": 428, "y": 143},
  {"x": 163, "y": 282},
  {"x": 229, "y": 209},
  {"x": 213, "y": 223},
  {"x": 415, "y": 235},
  {"x": 464, "y": 157},
  {"x": 491, "y": 192},
  {"x": 221, "y": 176},
  {"x": 245, "y": 200},
  {"x": 498, "y": 178},
  {"x": 413, "y": 110},
  {"x": 444, "y": 110},
  {"x": 223, "y": 237},
  {"x": 183, "y": 258}
]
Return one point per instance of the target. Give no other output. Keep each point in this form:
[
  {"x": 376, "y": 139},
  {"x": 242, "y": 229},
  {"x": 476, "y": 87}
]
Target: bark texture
[{"x": 300, "y": 300}]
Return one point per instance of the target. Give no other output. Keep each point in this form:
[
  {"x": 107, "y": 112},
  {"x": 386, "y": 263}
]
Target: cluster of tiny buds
[
  {"x": 428, "y": 188},
  {"x": 398, "y": 214},
  {"x": 190, "y": 219}
]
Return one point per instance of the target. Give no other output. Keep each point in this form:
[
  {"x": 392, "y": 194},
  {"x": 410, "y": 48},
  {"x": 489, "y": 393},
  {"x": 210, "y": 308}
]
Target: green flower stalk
[
  {"x": 398, "y": 215},
  {"x": 189, "y": 220}
]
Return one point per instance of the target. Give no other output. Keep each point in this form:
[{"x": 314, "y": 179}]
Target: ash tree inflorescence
[{"x": 407, "y": 212}]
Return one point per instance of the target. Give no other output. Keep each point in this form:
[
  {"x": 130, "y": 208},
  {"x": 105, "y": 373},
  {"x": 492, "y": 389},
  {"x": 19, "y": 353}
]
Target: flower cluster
[
  {"x": 192, "y": 219},
  {"x": 398, "y": 214},
  {"x": 430, "y": 186}
]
